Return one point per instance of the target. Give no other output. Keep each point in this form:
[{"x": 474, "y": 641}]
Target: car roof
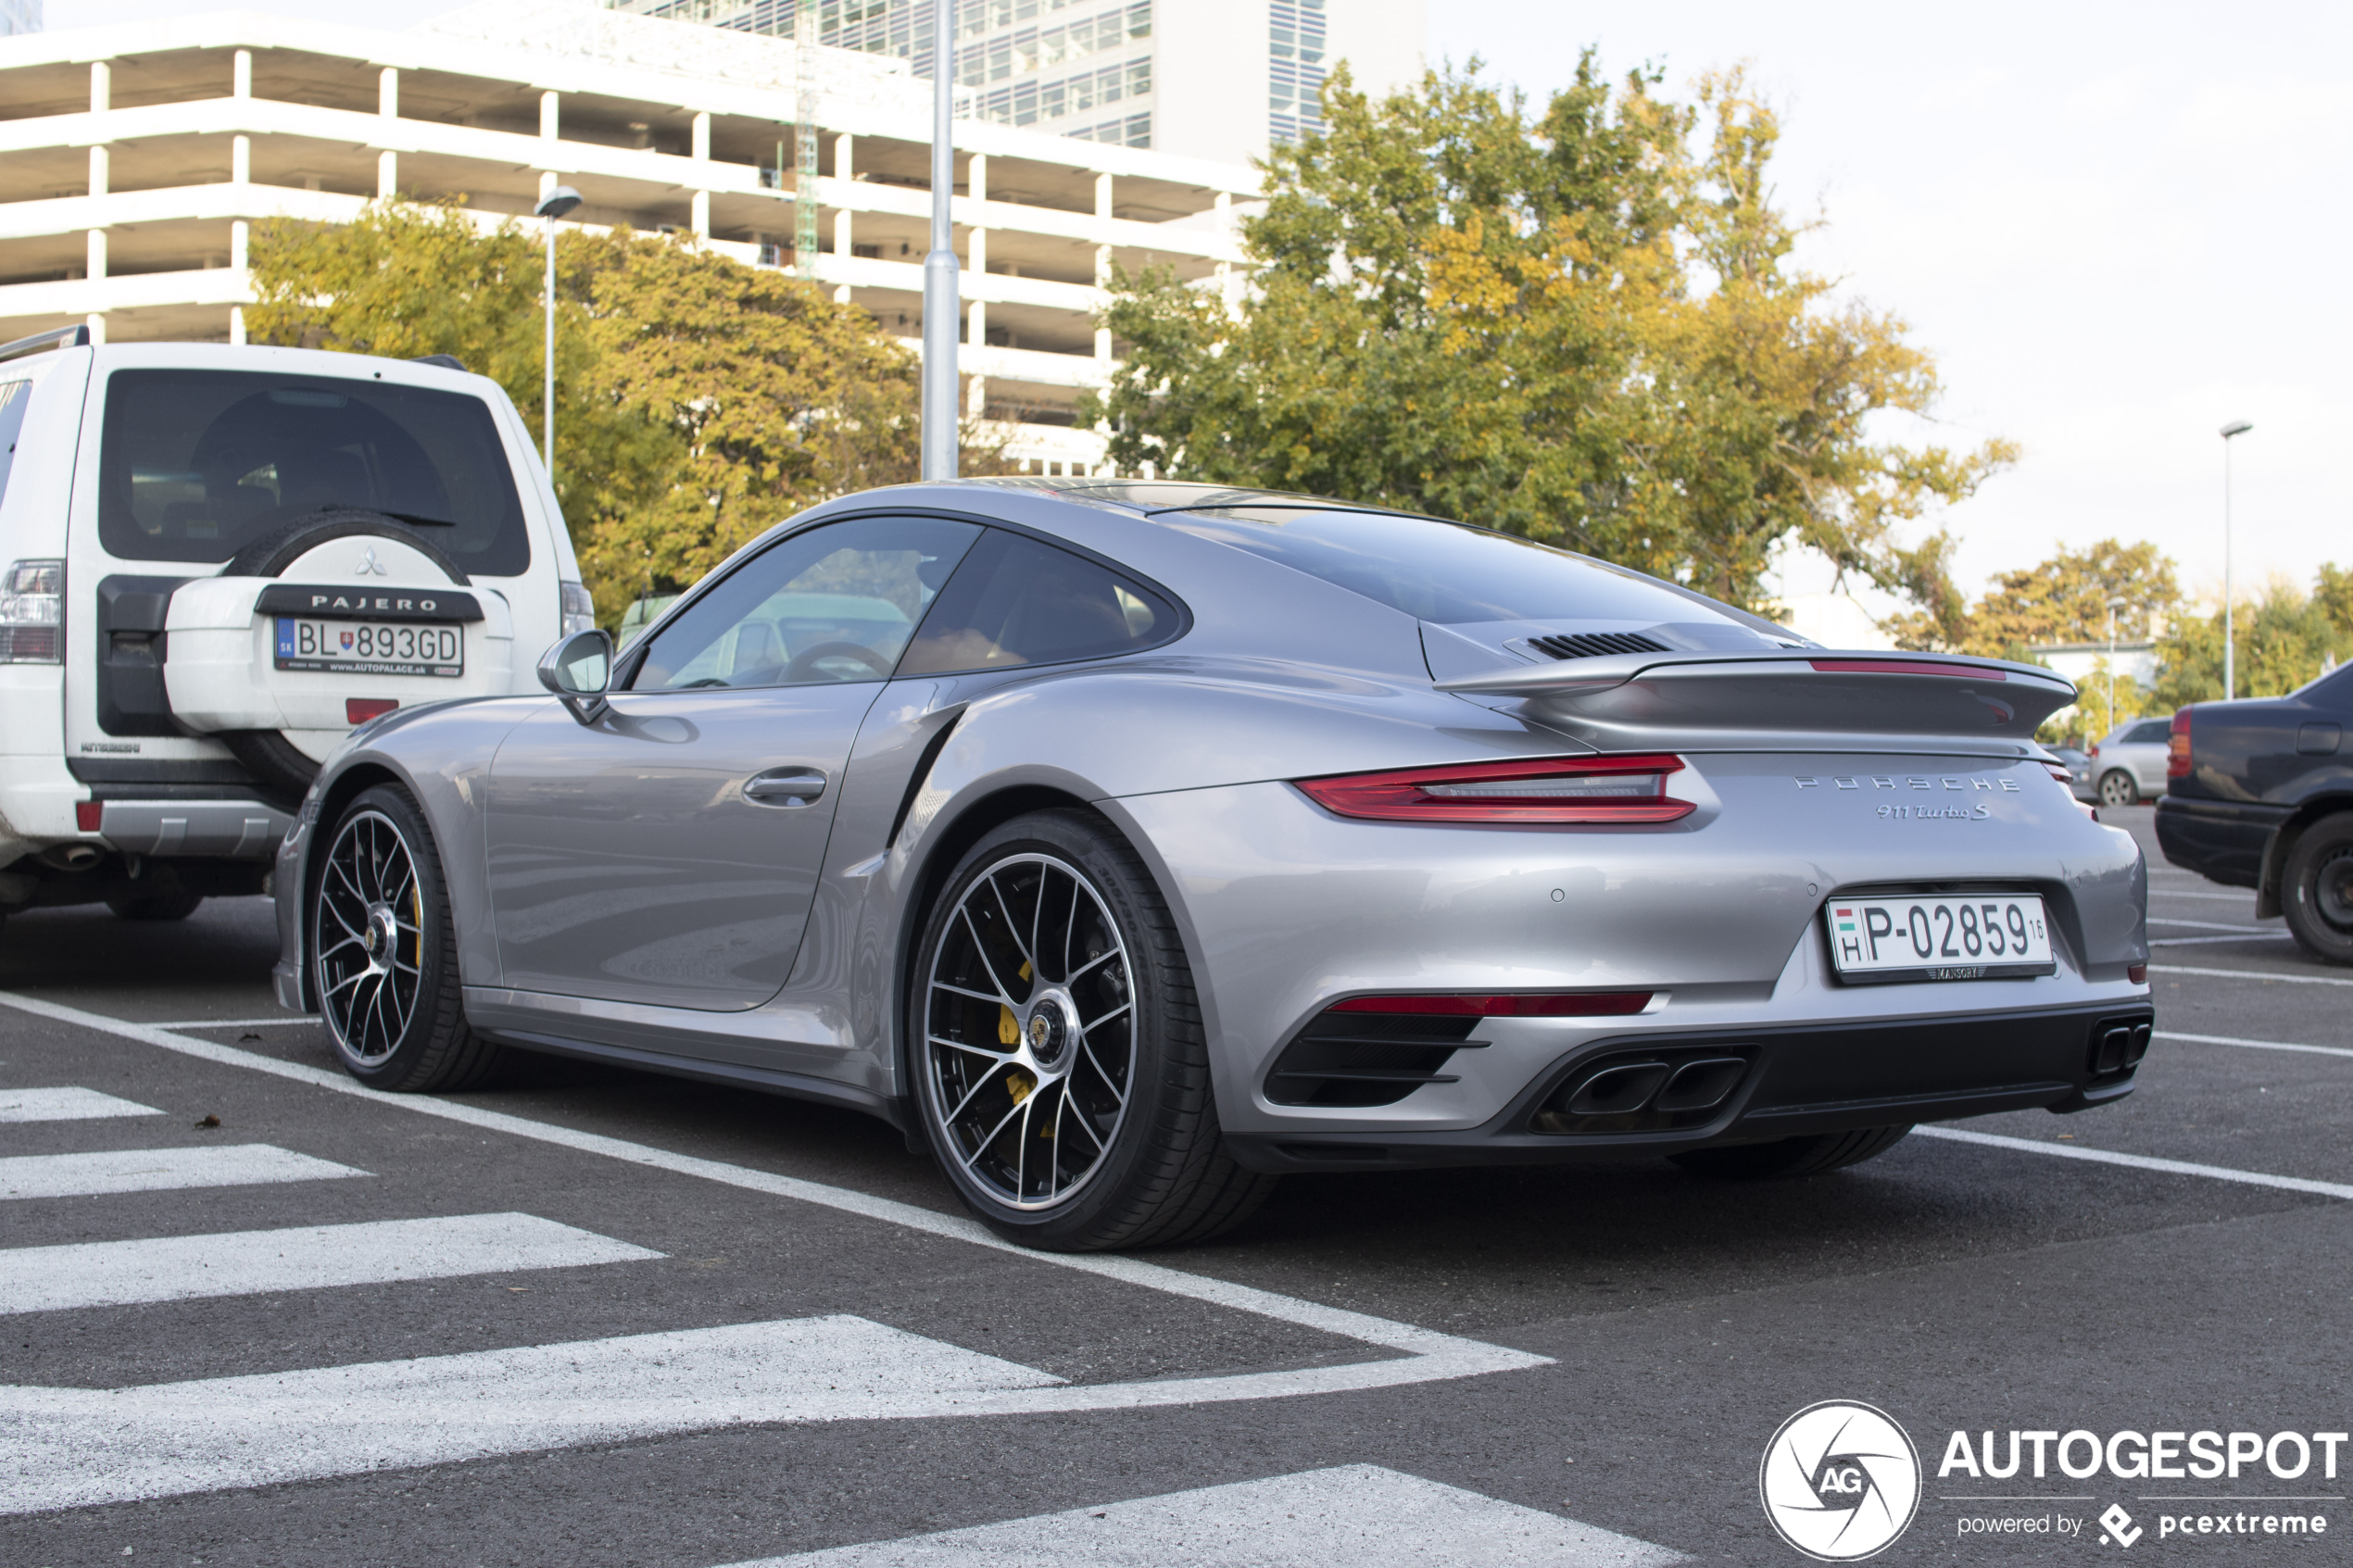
[{"x": 1150, "y": 495}]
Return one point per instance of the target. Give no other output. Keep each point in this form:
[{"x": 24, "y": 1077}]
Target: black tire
[
  {"x": 2316, "y": 890},
  {"x": 2119, "y": 789},
  {"x": 156, "y": 907},
  {"x": 1157, "y": 1172},
  {"x": 1791, "y": 1157},
  {"x": 388, "y": 985},
  {"x": 275, "y": 762}
]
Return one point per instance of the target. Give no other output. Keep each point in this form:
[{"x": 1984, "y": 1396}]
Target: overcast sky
[{"x": 2116, "y": 227}]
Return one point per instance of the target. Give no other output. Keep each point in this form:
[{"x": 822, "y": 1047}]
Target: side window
[
  {"x": 1016, "y": 601},
  {"x": 16, "y": 396},
  {"x": 837, "y": 603},
  {"x": 2156, "y": 731}
]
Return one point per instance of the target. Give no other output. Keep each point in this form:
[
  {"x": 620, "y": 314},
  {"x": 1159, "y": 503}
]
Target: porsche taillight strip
[
  {"x": 1552, "y": 791},
  {"x": 1457, "y": 1004},
  {"x": 1905, "y": 667}
]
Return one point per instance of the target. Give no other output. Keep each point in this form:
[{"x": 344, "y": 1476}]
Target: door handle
[{"x": 790, "y": 786}]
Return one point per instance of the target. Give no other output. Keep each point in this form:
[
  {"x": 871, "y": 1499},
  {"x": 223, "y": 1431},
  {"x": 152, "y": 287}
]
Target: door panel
[{"x": 627, "y": 862}]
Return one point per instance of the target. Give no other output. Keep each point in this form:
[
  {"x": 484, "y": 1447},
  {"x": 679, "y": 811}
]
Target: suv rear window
[{"x": 197, "y": 464}]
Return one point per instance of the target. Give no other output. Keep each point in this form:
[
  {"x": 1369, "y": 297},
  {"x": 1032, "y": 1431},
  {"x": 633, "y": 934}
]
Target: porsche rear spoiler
[{"x": 1784, "y": 699}]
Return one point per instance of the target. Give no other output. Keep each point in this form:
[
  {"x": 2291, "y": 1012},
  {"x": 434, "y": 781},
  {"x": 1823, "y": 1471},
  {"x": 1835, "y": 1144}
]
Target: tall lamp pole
[
  {"x": 552, "y": 205},
  {"x": 2114, "y": 605},
  {"x": 2229, "y": 650},
  {"x": 940, "y": 264}
]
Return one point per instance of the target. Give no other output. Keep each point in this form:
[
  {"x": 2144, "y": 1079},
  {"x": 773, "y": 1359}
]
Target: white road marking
[
  {"x": 2249, "y": 974},
  {"x": 66, "y": 1105},
  {"x": 2216, "y": 925},
  {"x": 2257, "y": 1044},
  {"x": 282, "y": 1021},
  {"x": 2253, "y": 934},
  {"x": 75, "y": 1447},
  {"x": 2190, "y": 893},
  {"x": 1423, "y": 1355},
  {"x": 154, "y": 1170},
  {"x": 2139, "y": 1162},
  {"x": 108, "y": 1274},
  {"x": 1358, "y": 1515}
]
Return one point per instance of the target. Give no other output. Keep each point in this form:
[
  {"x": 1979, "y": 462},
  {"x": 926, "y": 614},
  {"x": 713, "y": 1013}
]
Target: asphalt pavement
[{"x": 591, "y": 1317}]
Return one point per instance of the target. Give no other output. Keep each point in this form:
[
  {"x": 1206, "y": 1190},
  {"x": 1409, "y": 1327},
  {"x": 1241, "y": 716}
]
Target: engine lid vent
[{"x": 1595, "y": 645}]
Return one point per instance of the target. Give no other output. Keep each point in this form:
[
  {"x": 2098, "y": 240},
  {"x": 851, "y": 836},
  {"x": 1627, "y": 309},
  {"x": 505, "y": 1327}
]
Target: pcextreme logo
[{"x": 1840, "y": 1481}]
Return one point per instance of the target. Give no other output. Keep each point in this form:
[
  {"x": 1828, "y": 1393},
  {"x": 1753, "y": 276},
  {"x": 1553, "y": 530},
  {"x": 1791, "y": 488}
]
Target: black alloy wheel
[
  {"x": 1057, "y": 1050},
  {"x": 2316, "y": 890},
  {"x": 384, "y": 952}
]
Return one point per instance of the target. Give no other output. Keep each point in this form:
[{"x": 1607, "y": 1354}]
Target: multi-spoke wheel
[
  {"x": 1057, "y": 1050},
  {"x": 384, "y": 963}
]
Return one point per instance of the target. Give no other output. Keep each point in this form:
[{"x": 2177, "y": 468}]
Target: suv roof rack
[{"x": 58, "y": 337}]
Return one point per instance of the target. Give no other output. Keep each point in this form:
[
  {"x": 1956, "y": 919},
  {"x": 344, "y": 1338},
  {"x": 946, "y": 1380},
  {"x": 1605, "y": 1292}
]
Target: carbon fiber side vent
[{"x": 1593, "y": 645}]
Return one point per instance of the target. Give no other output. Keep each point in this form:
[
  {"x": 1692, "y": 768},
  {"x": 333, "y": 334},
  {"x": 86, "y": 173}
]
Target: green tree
[
  {"x": 2284, "y": 638},
  {"x": 2064, "y": 599},
  {"x": 1571, "y": 326}
]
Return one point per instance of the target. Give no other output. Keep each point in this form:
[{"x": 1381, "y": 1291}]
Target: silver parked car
[
  {"x": 1130, "y": 844},
  {"x": 2128, "y": 763}
]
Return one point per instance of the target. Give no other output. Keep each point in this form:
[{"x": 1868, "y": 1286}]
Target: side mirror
[{"x": 578, "y": 670}]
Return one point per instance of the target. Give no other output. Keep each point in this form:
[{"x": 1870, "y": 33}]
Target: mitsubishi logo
[{"x": 368, "y": 564}]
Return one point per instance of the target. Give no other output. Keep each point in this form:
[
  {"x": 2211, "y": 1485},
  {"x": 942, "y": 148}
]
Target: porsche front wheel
[
  {"x": 1059, "y": 1057},
  {"x": 384, "y": 952}
]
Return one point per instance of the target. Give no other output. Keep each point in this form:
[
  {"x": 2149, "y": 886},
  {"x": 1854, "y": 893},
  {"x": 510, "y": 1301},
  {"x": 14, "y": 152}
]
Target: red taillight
[
  {"x": 1546, "y": 791},
  {"x": 2096, "y": 751},
  {"x": 89, "y": 815},
  {"x": 1562, "y": 1004},
  {"x": 2060, "y": 771},
  {"x": 358, "y": 710},
  {"x": 2136, "y": 973},
  {"x": 2177, "y": 747}
]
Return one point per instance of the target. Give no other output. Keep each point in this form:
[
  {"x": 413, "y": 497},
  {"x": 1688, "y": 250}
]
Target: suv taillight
[
  {"x": 33, "y": 612},
  {"x": 1539, "y": 791},
  {"x": 2177, "y": 747},
  {"x": 580, "y": 609}
]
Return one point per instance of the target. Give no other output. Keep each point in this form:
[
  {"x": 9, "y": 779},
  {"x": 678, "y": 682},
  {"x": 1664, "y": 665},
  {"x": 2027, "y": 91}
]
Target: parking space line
[
  {"x": 159, "y": 1170},
  {"x": 1428, "y": 1355},
  {"x": 2139, "y": 1162},
  {"x": 67, "y": 1104},
  {"x": 2249, "y": 974},
  {"x": 1360, "y": 1515},
  {"x": 84, "y": 1447},
  {"x": 2257, "y": 1045},
  {"x": 279, "y": 1021},
  {"x": 2253, "y": 933},
  {"x": 2213, "y": 925},
  {"x": 2196, "y": 893},
  {"x": 112, "y": 1274}
]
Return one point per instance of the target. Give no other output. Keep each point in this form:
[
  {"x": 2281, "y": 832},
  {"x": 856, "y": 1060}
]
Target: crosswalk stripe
[
  {"x": 66, "y": 1105},
  {"x": 154, "y": 1170},
  {"x": 1359, "y": 1514},
  {"x": 107, "y": 1274},
  {"x": 66, "y": 1447}
]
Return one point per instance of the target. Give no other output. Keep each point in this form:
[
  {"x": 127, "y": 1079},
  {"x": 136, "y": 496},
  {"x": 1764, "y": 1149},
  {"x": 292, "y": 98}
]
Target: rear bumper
[
  {"x": 2222, "y": 840},
  {"x": 1800, "y": 1080},
  {"x": 237, "y": 830}
]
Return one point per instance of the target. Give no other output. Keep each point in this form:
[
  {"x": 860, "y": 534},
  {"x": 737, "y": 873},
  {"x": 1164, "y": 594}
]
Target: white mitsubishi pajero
[{"x": 219, "y": 559}]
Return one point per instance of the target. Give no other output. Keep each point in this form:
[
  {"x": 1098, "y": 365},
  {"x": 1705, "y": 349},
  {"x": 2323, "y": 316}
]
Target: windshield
[
  {"x": 1452, "y": 574},
  {"x": 197, "y": 464}
]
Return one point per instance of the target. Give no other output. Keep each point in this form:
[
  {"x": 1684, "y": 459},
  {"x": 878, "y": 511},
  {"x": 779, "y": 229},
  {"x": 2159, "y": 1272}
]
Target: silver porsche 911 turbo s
[{"x": 1130, "y": 844}]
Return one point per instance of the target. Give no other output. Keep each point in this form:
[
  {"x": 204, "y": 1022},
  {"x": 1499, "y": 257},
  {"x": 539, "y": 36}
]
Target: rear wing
[{"x": 1797, "y": 699}]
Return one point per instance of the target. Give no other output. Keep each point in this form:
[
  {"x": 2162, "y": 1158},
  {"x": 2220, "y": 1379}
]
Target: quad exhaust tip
[
  {"x": 2119, "y": 1044},
  {"x": 1644, "y": 1093}
]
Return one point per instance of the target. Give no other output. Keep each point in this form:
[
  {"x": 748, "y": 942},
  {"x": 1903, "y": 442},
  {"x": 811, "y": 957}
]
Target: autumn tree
[
  {"x": 1582, "y": 326},
  {"x": 2064, "y": 599},
  {"x": 2283, "y": 637}
]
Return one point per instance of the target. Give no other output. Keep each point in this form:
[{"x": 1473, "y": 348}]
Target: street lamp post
[
  {"x": 939, "y": 265},
  {"x": 552, "y": 205},
  {"x": 2114, "y": 603},
  {"x": 2229, "y": 650}
]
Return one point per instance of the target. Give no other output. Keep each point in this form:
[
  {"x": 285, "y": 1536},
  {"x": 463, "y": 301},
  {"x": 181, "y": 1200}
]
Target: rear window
[
  {"x": 1451, "y": 572},
  {"x": 197, "y": 464}
]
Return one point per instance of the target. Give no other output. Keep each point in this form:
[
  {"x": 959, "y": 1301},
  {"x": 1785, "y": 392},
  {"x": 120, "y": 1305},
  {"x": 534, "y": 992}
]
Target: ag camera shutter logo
[{"x": 1840, "y": 1481}]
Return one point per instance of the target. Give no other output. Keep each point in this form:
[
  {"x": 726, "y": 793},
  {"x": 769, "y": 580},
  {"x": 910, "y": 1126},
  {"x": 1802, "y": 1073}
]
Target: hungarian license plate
[
  {"x": 364, "y": 647},
  {"x": 1996, "y": 936}
]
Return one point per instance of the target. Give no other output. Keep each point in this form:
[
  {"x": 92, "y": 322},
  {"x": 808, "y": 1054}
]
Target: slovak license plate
[
  {"x": 367, "y": 647},
  {"x": 1882, "y": 941}
]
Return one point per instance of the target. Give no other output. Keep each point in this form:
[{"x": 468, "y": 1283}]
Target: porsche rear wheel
[
  {"x": 1059, "y": 1063},
  {"x": 384, "y": 952},
  {"x": 1793, "y": 1157}
]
